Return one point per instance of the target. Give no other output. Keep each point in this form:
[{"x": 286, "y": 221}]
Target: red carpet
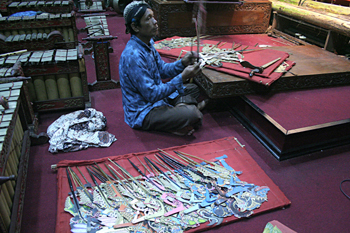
[
  {"x": 310, "y": 182},
  {"x": 238, "y": 159}
]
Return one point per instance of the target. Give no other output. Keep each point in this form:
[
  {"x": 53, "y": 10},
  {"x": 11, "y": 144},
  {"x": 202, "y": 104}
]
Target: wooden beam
[
  {"x": 328, "y": 21},
  {"x": 319, "y": 6}
]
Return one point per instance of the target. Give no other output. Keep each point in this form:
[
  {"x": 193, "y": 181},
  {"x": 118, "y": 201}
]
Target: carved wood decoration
[
  {"x": 101, "y": 48},
  {"x": 237, "y": 88},
  {"x": 102, "y": 66},
  {"x": 175, "y": 18}
]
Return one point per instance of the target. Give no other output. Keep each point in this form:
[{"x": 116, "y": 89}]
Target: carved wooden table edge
[{"x": 221, "y": 85}]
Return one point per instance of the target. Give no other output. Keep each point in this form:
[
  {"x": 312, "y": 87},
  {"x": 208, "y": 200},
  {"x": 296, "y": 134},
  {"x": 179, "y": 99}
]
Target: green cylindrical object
[
  {"x": 63, "y": 86},
  {"x": 75, "y": 84},
  {"x": 40, "y": 89},
  {"x": 51, "y": 87}
]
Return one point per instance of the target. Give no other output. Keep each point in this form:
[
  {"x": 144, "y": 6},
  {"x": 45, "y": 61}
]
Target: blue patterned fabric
[
  {"x": 141, "y": 71},
  {"x": 26, "y": 13}
]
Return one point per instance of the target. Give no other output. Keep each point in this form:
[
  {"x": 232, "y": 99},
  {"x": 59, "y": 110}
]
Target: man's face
[{"x": 148, "y": 25}]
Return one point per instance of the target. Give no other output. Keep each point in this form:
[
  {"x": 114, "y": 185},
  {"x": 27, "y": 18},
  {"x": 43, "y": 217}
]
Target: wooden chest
[{"x": 175, "y": 17}]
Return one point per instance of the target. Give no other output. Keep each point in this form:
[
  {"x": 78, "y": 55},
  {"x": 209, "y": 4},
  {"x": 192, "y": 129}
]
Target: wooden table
[{"x": 314, "y": 68}]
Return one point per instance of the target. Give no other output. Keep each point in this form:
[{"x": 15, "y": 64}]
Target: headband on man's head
[{"x": 134, "y": 11}]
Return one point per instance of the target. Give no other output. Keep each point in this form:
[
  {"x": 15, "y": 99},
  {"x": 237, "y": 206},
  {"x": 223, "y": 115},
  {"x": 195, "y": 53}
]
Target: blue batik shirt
[{"x": 141, "y": 71}]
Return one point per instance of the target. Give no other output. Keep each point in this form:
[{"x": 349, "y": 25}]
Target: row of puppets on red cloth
[{"x": 261, "y": 65}]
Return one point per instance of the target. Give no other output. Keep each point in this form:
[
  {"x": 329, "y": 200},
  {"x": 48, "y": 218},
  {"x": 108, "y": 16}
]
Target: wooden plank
[
  {"x": 57, "y": 3},
  {"x": 11, "y": 59},
  {"x": 3, "y": 71},
  {"x": 61, "y": 55},
  {"x": 28, "y": 37},
  {"x": 55, "y": 16},
  {"x": 24, "y": 57},
  {"x": 14, "y": 18},
  {"x": 40, "y": 3},
  {"x": 14, "y": 85},
  {"x": 319, "y": 6},
  {"x": 47, "y": 56},
  {"x": 42, "y": 17},
  {"x": 22, "y": 37},
  {"x": 14, "y": 4},
  {"x": 36, "y": 57},
  {"x": 16, "y": 38},
  {"x": 32, "y": 3},
  {"x": 34, "y": 35},
  {"x": 9, "y": 38},
  {"x": 9, "y": 73},
  {"x": 72, "y": 55},
  {"x": 39, "y": 36},
  {"x": 28, "y": 18},
  {"x": 322, "y": 19},
  {"x": 23, "y": 4},
  {"x": 49, "y": 3}
]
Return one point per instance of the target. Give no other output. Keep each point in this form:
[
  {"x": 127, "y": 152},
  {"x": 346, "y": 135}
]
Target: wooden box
[{"x": 175, "y": 17}]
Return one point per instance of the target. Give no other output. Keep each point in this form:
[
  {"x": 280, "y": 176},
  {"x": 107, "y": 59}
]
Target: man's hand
[
  {"x": 190, "y": 71},
  {"x": 189, "y": 58}
]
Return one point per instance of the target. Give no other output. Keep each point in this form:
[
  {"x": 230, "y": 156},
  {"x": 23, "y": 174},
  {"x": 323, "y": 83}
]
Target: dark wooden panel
[
  {"x": 175, "y": 18},
  {"x": 282, "y": 143}
]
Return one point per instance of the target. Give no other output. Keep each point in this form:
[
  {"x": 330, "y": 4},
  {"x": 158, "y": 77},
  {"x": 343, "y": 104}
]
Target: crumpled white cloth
[{"x": 79, "y": 130}]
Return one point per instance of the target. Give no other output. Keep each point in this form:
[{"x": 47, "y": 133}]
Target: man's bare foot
[
  {"x": 202, "y": 104},
  {"x": 186, "y": 131}
]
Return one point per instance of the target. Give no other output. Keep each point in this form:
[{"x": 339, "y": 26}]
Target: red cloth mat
[
  {"x": 258, "y": 57},
  {"x": 238, "y": 159}
]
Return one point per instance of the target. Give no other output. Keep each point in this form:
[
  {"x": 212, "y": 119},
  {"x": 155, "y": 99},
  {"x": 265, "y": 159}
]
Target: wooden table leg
[{"x": 101, "y": 56}]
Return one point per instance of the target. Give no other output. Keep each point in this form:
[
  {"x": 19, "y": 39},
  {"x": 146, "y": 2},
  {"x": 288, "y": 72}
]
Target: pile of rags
[{"x": 79, "y": 130}]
